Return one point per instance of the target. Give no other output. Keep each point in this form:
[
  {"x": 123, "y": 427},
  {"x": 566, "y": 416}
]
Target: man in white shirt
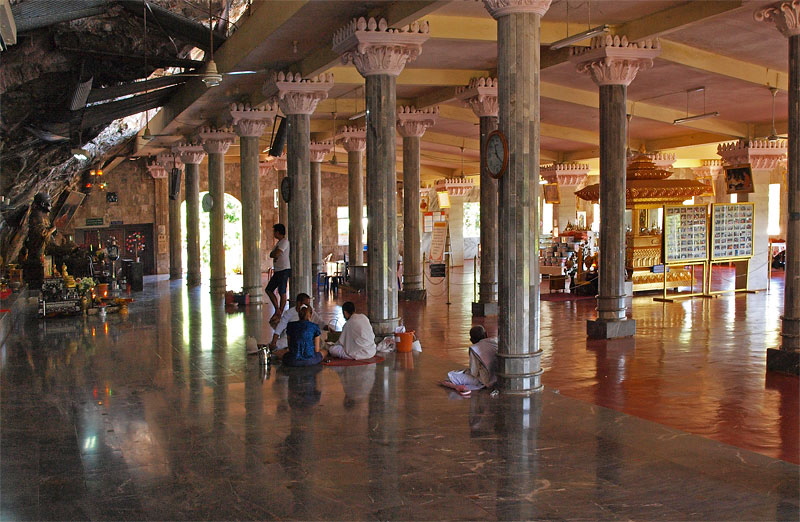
[
  {"x": 482, "y": 371},
  {"x": 282, "y": 271},
  {"x": 279, "y": 340},
  {"x": 357, "y": 340}
]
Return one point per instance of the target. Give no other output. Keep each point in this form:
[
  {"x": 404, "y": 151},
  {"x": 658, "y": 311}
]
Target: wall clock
[
  {"x": 495, "y": 153},
  {"x": 208, "y": 202}
]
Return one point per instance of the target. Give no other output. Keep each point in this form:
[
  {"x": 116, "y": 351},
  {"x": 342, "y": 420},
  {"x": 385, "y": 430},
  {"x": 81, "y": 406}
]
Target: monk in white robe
[{"x": 357, "y": 340}]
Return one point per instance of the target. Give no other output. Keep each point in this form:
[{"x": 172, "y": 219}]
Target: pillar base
[
  {"x": 256, "y": 295},
  {"x": 783, "y": 361},
  {"x": 598, "y": 329},
  {"x": 218, "y": 286},
  {"x": 173, "y": 277},
  {"x": 520, "y": 373},
  {"x": 413, "y": 295},
  {"x": 484, "y": 309},
  {"x": 385, "y": 327},
  {"x": 193, "y": 280}
]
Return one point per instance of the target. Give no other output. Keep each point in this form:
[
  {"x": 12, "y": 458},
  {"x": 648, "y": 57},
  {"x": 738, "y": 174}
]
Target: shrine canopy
[{"x": 647, "y": 186}]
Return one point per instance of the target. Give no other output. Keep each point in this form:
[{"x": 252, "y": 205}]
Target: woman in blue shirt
[{"x": 304, "y": 341}]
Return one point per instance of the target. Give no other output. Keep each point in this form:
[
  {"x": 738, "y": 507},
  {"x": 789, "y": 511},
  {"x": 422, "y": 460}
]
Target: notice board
[
  {"x": 731, "y": 230},
  {"x": 685, "y": 233}
]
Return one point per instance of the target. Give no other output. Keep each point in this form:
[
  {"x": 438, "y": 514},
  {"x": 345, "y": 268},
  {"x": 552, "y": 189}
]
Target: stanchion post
[{"x": 447, "y": 266}]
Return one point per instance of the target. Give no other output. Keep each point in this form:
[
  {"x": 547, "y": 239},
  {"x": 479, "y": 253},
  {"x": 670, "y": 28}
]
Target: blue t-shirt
[{"x": 301, "y": 336}]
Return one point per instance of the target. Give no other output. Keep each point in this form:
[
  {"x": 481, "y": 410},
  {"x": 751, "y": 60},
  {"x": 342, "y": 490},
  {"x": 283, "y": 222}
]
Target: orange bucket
[{"x": 403, "y": 341}]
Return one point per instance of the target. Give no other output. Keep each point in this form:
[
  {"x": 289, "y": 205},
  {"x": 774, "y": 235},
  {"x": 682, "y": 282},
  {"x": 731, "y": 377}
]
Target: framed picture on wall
[
  {"x": 739, "y": 179},
  {"x": 551, "y": 193},
  {"x": 71, "y": 203}
]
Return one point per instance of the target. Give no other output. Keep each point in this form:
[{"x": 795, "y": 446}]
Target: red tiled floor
[{"x": 697, "y": 364}]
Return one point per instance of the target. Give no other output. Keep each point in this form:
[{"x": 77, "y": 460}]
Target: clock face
[{"x": 496, "y": 154}]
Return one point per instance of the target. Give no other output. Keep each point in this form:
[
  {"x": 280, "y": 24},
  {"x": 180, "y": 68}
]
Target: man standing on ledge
[{"x": 282, "y": 272}]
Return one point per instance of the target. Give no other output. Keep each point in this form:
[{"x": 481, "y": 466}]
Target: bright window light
[
  {"x": 774, "y": 217},
  {"x": 596, "y": 217},
  {"x": 547, "y": 218}
]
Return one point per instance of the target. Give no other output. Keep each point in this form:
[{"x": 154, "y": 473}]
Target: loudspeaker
[
  {"x": 175, "y": 184},
  {"x": 279, "y": 140}
]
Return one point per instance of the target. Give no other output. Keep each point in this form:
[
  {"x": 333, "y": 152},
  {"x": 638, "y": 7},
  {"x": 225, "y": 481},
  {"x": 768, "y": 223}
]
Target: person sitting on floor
[
  {"x": 482, "y": 371},
  {"x": 279, "y": 340},
  {"x": 357, "y": 340},
  {"x": 304, "y": 341}
]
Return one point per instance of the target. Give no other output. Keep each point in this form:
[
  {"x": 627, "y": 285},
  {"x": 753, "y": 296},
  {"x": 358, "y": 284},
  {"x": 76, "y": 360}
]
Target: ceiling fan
[
  {"x": 774, "y": 134},
  {"x": 212, "y": 77}
]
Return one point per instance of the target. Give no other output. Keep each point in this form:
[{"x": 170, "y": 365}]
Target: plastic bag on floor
[
  {"x": 416, "y": 346},
  {"x": 251, "y": 344},
  {"x": 386, "y": 345}
]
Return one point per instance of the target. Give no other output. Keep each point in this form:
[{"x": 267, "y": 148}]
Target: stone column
[
  {"x": 354, "y": 142},
  {"x": 297, "y": 99},
  {"x": 786, "y": 17},
  {"x": 613, "y": 63},
  {"x": 518, "y": 39},
  {"x": 412, "y": 124},
  {"x": 249, "y": 124},
  {"x": 380, "y": 53},
  {"x": 192, "y": 156},
  {"x": 283, "y": 207},
  {"x": 318, "y": 152},
  {"x": 169, "y": 161},
  {"x": 568, "y": 176},
  {"x": 763, "y": 156},
  {"x": 481, "y": 96},
  {"x": 216, "y": 143}
]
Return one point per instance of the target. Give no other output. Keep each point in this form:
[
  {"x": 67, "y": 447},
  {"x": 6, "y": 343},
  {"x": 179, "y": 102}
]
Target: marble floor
[{"x": 160, "y": 415}]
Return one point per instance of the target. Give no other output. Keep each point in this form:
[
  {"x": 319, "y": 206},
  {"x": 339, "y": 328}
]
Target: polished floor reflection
[{"x": 160, "y": 415}]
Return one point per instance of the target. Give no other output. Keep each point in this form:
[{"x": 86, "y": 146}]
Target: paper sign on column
[{"x": 438, "y": 240}]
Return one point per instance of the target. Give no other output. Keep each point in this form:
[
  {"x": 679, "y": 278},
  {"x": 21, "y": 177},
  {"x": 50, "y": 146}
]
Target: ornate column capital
[
  {"x": 498, "y": 8},
  {"x": 785, "y": 16},
  {"x": 168, "y": 160},
  {"x": 413, "y": 122},
  {"x": 709, "y": 169},
  {"x": 318, "y": 150},
  {"x": 156, "y": 170},
  {"x": 265, "y": 167},
  {"x": 190, "y": 154},
  {"x": 216, "y": 141},
  {"x": 280, "y": 163},
  {"x": 251, "y": 122},
  {"x": 566, "y": 174},
  {"x": 760, "y": 154},
  {"x": 376, "y": 48},
  {"x": 353, "y": 139},
  {"x": 612, "y": 60},
  {"x": 481, "y": 96},
  {"x": 295, "y": 95}
]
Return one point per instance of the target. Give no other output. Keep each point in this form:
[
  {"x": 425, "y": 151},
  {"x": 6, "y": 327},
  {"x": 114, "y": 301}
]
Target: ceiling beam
[
  {"x": 641, "y": 110},
  {"x": 674, "y": 18},
  {"x": 723, "y": 65}
]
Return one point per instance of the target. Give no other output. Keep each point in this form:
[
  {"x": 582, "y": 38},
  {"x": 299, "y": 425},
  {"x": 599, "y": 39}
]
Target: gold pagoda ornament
[
  {"x": 648, "y": 189},
  {"x": 647, "y": 186}
]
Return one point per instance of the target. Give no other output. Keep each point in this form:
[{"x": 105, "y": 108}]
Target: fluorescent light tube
[
  {"x": 695, "y": 118},
  {"x": 575, "y": 38}
]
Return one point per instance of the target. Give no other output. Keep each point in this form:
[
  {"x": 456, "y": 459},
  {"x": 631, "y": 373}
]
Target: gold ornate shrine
[{"x": 647, "y": 191}]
